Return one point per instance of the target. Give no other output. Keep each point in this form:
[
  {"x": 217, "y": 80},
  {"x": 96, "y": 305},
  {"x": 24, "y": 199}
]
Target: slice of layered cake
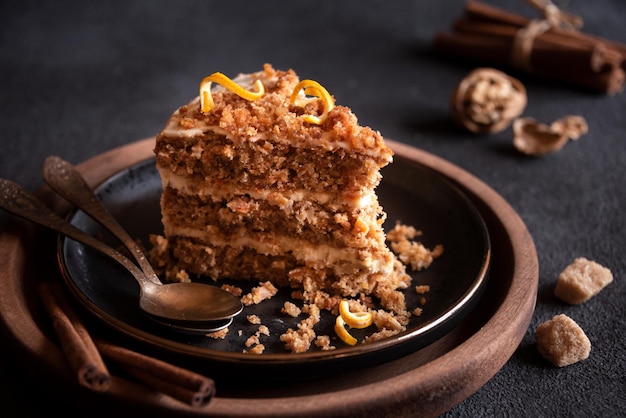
[{"x": 265, "y": 178}]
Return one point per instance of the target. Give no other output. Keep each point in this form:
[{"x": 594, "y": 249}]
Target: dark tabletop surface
[{"x": 79, "y": 78}]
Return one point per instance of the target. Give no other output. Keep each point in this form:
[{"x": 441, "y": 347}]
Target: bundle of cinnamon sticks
[
  {"x": 493, "y": 36},
  {"x": 85, "y": 357}
]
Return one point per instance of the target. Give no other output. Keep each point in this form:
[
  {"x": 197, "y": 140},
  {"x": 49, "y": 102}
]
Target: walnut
[
  {"x": 533, "y": 138},
  {"x": 488, "y": 100}
]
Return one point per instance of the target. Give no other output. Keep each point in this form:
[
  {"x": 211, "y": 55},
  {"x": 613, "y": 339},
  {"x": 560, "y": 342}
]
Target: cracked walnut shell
[
  {"x": 488, "y": 100},
  {"x": 533, "y": 138}
]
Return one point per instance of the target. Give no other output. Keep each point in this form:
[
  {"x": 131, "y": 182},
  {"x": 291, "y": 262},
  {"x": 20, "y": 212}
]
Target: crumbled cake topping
[{"x": 272, "y": 116}]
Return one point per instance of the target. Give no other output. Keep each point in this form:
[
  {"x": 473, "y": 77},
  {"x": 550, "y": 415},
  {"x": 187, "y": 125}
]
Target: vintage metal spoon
[
  {"x": 187, "y": 307},
  {"x": 64, "y": 179}
]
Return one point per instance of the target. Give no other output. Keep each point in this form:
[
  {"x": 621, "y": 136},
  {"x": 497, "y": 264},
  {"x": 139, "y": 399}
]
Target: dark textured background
[{"x": 78, "y": 78}]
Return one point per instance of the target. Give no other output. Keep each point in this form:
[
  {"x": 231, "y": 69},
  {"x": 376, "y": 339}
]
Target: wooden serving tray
[{"x": 426, "y": 382}]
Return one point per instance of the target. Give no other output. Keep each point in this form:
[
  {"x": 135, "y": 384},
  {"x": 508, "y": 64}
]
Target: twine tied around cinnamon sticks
[
  {"x": 550, "y": 47},
  {"x": 525, "y": 37},
  {"x": 85, "y": 357}
]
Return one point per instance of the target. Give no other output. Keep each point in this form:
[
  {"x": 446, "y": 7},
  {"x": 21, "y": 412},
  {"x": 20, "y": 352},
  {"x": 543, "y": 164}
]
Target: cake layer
[
  {"x": 264, "y": 165},
  {"x": 329, "y": 268},
  {"x": 184, "y": 184},
  {"x": 221, "y": 220},
  {"x": 272, "y": 117}
]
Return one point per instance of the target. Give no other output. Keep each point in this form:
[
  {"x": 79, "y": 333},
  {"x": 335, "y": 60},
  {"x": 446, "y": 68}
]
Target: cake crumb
[
  {"x": 257, "y": 349},
  {"x": 385, "y": 320},
  {"x": 415, "y": 254},
  {"x": 410, "y": 252},
  {"x": 381, "y": 335},
  {"x": 581, "y": 280},
  {"x": 182, "y": 276},
  {"x": 422, "y": 289},
  {"x": 299, "y": 340},
  {"x": 264, "y": 330},
  {"x": 252, "y": 340},
  {"x": 221, "y": 334},
  {"x": 291, "y": 309},
  {"x": 233, "y": 290},
  {"x": 562, "y": 341},
  {"x": 402, "y": 232},
  {"x": 264, "y": 291},
  {"x": 323, "y": 342}
]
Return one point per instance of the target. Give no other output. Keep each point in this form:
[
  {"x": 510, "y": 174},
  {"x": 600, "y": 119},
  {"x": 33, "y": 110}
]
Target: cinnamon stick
[
  {"x": 584, "y": 68},
  {"x": 479, "y": 11},
  {"x": 85, "y": 356},
  {"x": 544, "y": 57},
  {"x": 179, "y": 383},
  {"x": 485, "y": 12},
  {"x": 594, "y": 56},
  {"x": 75, "y": 341},
  {"x": 490, "y": 35}
]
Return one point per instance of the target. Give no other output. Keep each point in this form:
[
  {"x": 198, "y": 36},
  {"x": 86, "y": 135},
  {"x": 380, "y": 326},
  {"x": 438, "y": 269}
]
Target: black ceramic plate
[{"x": 409, "y": 192}]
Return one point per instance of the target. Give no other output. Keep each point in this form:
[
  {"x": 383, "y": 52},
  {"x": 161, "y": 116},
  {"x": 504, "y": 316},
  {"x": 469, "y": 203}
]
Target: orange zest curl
[
  {"x": 206, "y": 98},
  {"x": 353, "y": 320},
  {"x": 342, "y": 332},
  {"x": 315, "y": 89}
]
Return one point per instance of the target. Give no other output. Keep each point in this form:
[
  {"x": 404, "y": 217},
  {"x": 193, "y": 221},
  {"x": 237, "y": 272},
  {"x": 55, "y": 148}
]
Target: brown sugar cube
[
  {"x": 581, "y": 280},
  {"x": 561, "y": 341}
]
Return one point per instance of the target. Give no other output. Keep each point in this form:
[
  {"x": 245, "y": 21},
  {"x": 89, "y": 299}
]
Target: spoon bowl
[
  {"x": 186, "y": 306},
  {"x": 197, "y": 329},
  {"x": 176, "y": 302}
]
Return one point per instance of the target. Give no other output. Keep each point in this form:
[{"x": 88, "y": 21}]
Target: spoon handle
[
  {"x": 18, "y": 201},
  {"x": 63, "y": 178}
]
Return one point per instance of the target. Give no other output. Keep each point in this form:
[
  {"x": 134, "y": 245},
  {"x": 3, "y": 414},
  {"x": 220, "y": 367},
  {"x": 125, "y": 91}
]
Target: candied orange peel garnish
[
  {"x": 354, "y": 319},
  {"x": 315, "y": 89},
  {"x": 206, "y": 98},
  {"x": 342, "y": 332}
]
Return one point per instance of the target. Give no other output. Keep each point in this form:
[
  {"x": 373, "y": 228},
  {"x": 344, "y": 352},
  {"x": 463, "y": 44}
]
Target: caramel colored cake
[{"x": 279, "y": 187}]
